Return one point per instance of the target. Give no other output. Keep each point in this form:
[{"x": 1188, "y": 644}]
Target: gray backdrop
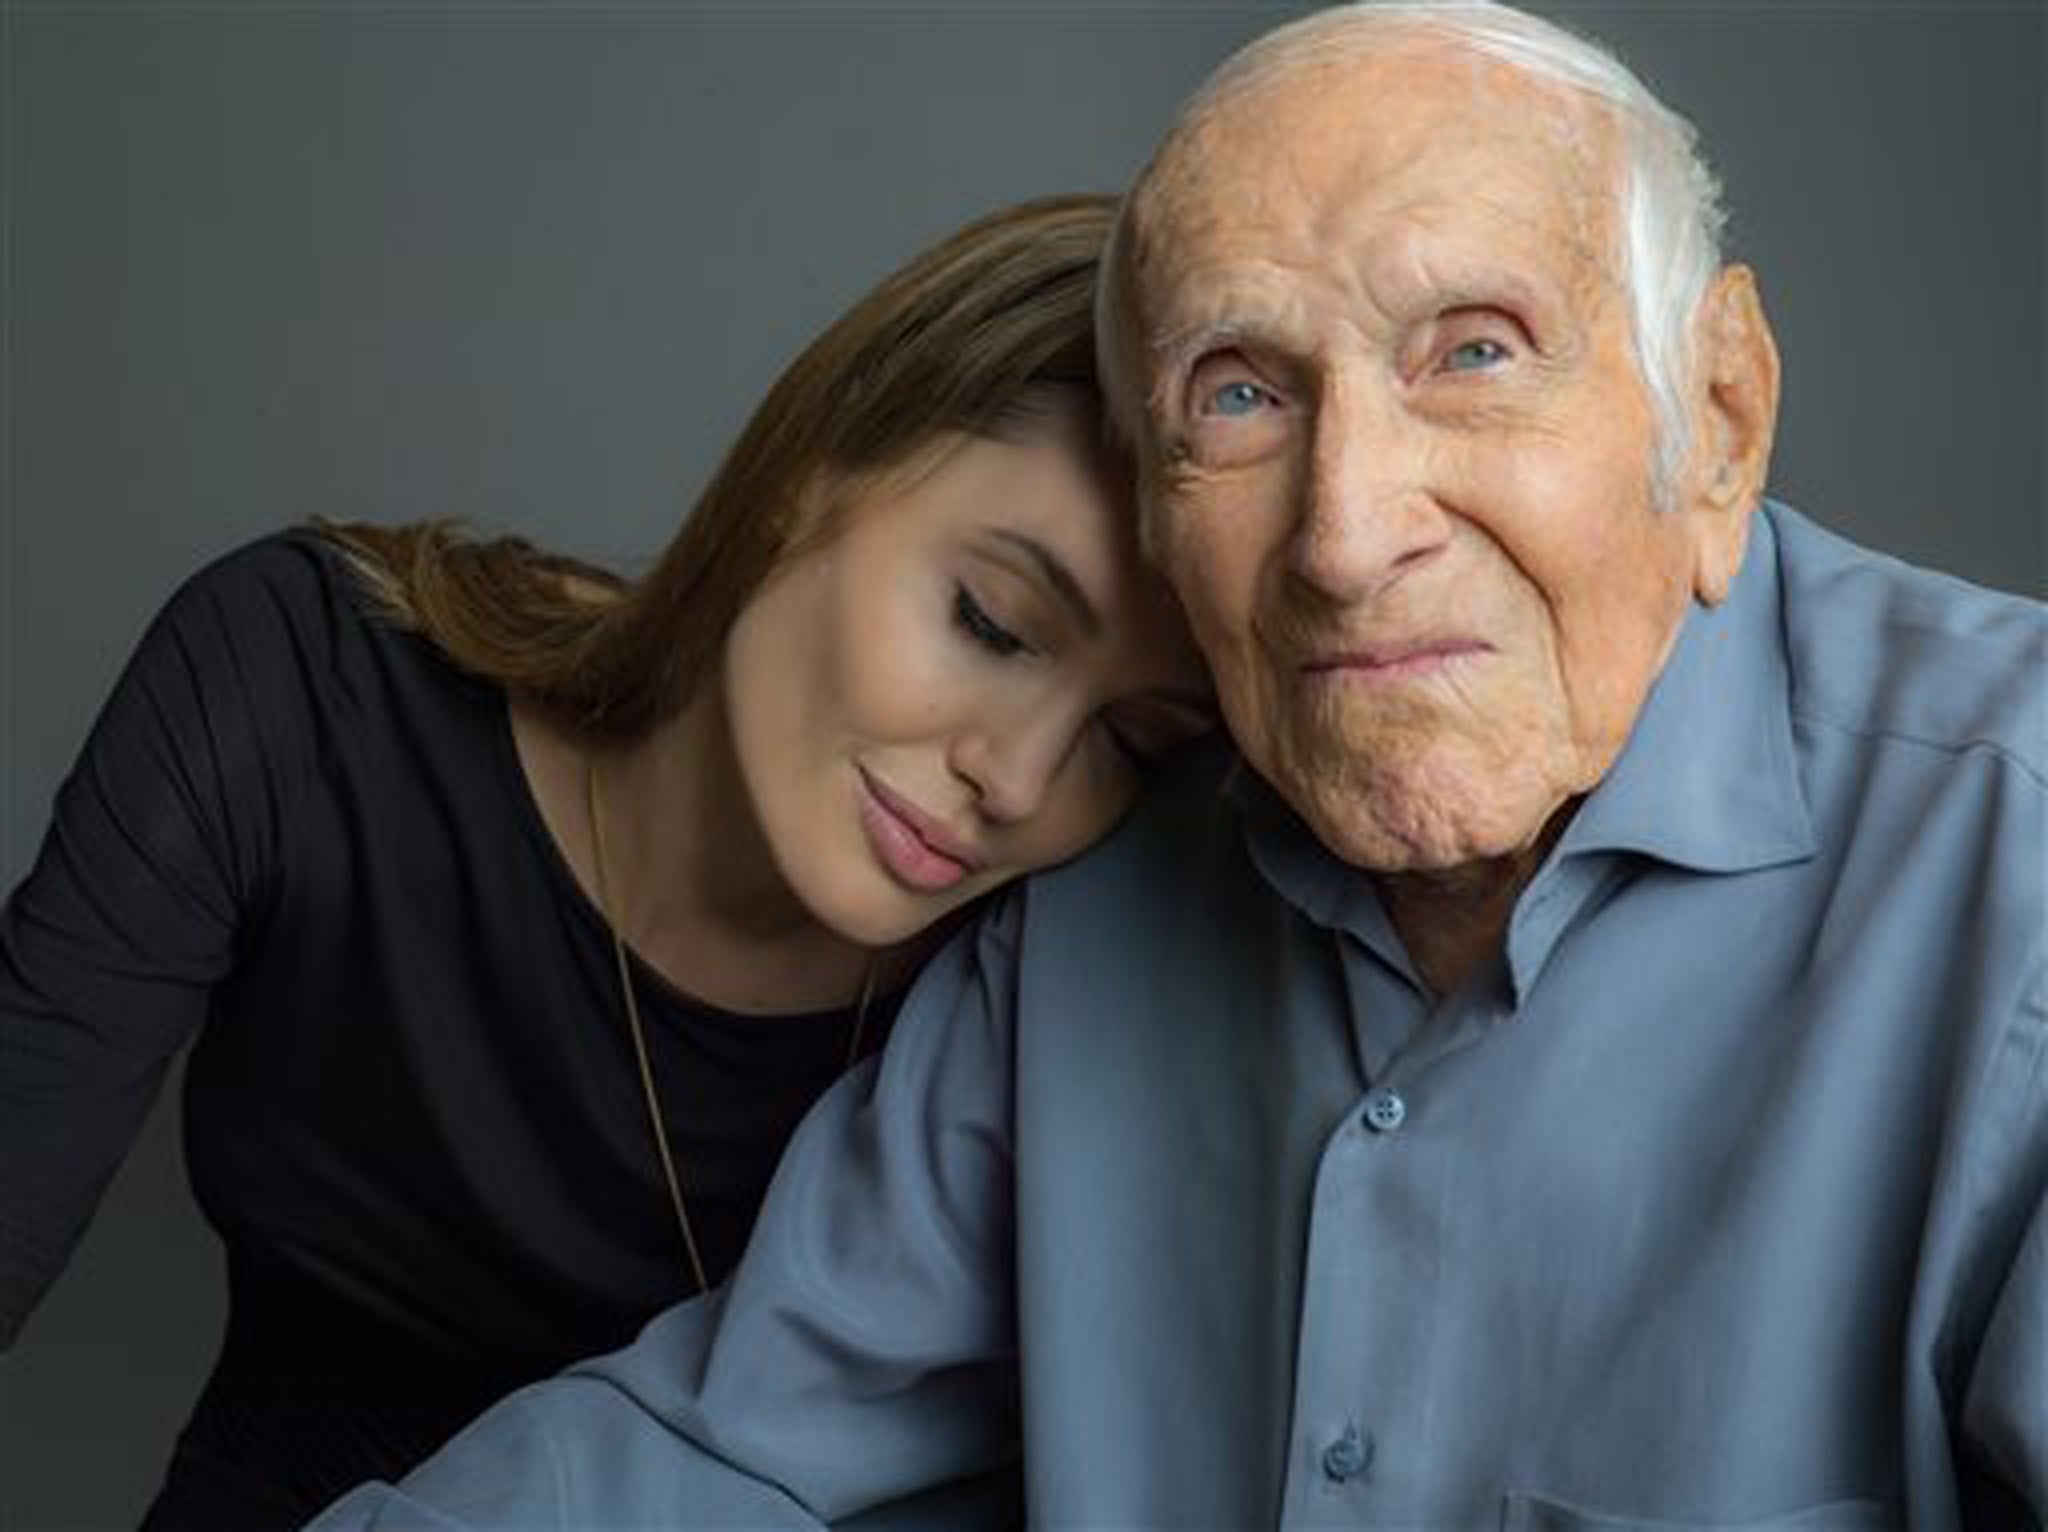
[{"x": 531, "y": 263}]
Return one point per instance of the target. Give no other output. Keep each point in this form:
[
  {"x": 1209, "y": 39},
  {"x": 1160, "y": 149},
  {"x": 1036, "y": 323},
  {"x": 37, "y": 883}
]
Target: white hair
[{"x": 1672, "y": 215}]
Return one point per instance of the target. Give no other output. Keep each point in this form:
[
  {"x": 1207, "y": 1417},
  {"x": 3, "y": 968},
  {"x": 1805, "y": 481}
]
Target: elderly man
[{"x": 1583, "y": 1066}]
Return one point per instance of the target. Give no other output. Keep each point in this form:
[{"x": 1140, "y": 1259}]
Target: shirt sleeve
[
  {"x": 111, "y": 946},
  {"x": 862, "y": 1358}
]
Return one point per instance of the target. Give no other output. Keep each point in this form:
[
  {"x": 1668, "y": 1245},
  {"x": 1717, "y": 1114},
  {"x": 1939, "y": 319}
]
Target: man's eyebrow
[
  {"x": 1057, "y": 575},
  {"x": 1174, "y": 351}
]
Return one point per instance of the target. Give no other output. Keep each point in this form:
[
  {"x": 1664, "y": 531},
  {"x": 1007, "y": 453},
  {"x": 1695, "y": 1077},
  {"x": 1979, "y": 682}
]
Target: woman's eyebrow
[{"x": 1056, "y": 574}]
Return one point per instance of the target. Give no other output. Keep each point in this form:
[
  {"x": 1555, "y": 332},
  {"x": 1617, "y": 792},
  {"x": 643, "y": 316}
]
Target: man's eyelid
[
  {"x": 1485, "y": 321},
  {"x": 1429, "y": 349},
  {"x": 1211, "y": 369},
  {"x": 1263, "y": 357}
]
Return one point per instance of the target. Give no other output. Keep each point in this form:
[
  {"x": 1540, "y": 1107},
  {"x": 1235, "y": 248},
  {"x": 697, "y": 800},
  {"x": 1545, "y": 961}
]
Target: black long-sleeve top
[{"x": 300, "y": 841}]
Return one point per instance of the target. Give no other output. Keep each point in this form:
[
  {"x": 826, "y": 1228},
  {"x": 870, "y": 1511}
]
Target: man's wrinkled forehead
[{"x": 1311, "y": 149}]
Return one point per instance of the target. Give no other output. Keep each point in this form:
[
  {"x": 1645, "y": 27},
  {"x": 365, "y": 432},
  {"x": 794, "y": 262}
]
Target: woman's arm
[
  {"x": 110, "y": 948},
  {"x": 862, "y": 1353}
]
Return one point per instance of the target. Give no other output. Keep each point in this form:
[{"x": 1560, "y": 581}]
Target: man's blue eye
[
  {"x": 1237, "y": 399},
  {"x": 1472, "y": 355}
]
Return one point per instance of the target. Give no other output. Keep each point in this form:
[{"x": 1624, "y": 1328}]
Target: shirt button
[
  {"x": 1347, "y": 1456},
  {"x": 1385, "y": 1110}
]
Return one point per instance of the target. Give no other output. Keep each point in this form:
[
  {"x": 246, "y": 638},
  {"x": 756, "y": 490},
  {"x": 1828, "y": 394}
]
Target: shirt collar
[{"x": 1708, "y": 780}]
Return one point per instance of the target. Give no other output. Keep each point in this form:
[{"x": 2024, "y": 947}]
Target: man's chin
[{"x": 1391, "y": 832}]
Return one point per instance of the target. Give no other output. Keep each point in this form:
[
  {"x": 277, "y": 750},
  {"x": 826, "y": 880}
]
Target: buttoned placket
[
  {"x": 1365, "y": 1318},
  {"x": 1362, "y": 1371}
]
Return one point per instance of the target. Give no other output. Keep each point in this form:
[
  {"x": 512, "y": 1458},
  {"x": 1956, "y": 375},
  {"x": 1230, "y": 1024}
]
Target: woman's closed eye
[{"x": 974, "y": 620}]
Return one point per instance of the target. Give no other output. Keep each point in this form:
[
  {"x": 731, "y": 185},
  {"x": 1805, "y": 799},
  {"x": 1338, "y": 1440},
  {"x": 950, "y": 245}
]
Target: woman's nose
[{"x": 1011, "y": 763}]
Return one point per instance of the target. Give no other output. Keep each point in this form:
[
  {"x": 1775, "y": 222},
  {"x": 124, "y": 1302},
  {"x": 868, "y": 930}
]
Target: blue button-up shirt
[{"x": 1717, "y": 1200}]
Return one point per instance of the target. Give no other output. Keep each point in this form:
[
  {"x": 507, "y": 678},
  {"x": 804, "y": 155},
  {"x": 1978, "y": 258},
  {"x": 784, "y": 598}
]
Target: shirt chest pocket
[{"x": 1534, "y": 1513}]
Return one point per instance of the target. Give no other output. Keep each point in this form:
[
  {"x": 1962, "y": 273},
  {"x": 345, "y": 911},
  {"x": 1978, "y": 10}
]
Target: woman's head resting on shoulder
[
  {"x": 954, "y": 667},
  {"x": 912, "y": 594},
  {"x": 961, "y": 679}
]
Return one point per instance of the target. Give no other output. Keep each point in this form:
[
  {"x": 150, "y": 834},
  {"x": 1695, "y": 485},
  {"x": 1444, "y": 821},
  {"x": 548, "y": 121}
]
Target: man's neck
[{"x": 1451, "y": 920}]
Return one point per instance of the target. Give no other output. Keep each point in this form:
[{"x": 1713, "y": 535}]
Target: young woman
[{"x": 516, "y": 912}]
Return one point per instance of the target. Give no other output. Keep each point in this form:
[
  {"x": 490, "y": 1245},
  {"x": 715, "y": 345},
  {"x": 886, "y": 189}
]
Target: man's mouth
[{"x": 1391, "y": 662}]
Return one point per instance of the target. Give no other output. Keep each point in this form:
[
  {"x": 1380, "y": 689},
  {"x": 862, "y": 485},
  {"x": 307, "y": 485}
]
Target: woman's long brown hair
[{"x": 982, "y": 335}]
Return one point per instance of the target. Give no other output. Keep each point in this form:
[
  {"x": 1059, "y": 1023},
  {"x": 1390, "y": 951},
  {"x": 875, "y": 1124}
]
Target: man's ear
[{"x": 1735, "y": 416}]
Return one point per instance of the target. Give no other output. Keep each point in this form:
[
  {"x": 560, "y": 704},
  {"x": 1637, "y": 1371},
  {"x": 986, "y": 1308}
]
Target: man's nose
[
  {"x": 1366, "y": 513},
  {"x": 1010, "y": 761}
]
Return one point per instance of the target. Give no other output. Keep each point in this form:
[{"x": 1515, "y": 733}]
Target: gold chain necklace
[{"x": 639, "y": 1033}]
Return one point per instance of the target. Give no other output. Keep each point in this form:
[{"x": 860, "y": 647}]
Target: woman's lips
[{"x": 914, "y": 848}]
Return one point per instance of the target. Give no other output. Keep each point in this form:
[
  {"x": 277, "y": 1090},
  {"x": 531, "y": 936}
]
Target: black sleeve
[{"x": 154, "y": 867}]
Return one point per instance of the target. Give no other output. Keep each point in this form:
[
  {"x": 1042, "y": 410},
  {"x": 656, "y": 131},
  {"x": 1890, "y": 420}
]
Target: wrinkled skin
[{"x": 1399, "y": 458}]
